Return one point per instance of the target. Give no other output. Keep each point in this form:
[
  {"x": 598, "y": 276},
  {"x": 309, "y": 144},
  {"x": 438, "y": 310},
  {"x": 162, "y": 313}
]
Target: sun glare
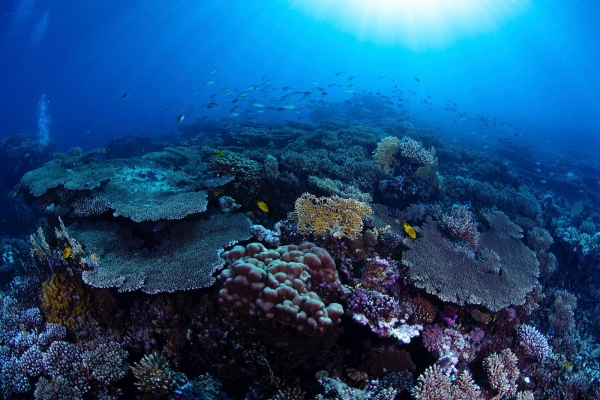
[{"x": 414, "y": 23}]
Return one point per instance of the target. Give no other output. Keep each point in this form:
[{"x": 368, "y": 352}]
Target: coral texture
[
  {"x": 502, "y": 276},
  {"x": 184, "y": 260},
  {"x": 281, "y": 285},
  {"x": 335, "y": 215}
]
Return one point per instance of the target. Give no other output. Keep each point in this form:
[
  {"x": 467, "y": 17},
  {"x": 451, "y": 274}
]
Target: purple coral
[
  {"x": 379, "y": 274},
  {"x": 383, "y": 314}
]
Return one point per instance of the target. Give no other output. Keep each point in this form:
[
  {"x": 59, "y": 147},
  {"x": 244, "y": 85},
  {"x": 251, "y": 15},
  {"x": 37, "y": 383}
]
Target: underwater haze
[
  {"x": 528, "y": 63},
  {"x": 300, "y": 199}
]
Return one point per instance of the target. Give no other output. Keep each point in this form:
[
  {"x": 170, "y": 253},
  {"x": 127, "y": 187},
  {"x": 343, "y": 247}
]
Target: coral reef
[
  {"x": 334, "y": 215},
  {"x": 282, "y": 285}
]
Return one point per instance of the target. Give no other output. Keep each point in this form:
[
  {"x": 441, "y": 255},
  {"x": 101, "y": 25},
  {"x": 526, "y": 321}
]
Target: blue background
[{"x": 537, "y": 71}]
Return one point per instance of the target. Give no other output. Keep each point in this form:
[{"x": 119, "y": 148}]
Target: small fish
[
  {"x": 263, "y": 206},
  {"x": 125, "y": 96},
  {"x": 233, "y": 114},
  {"x": 180, "y": 117},
  {"x": 417, "y": 79},
  {"x": 314, "y": 83},
  {"x": 66, "y": 252},
  {"x": 289, "y": 106},
  {"x": 213, "y": 71},
  {"x": 350, "y": 78},
  {"x": 208, "y": 83},
  {"x": 257, "y": 104},
  {"x": 26, "y": 155},
  {"x": 195, "y": 93},
  {"x": 410, "y": 231},
  {"x": 340, "y": 73},
  {"x": 167, "y": 105},
  {"x": 349, "y": 91}
]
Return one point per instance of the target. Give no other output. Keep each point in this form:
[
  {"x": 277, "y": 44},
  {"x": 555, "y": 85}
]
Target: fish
[
  {"x": 213, "y": 71},
  {"x": 257, "y": 104},
  {"x": 314, "y": 83},
  {"x": 180, "y": 118},
  {"x": 167, "y": 105},
  {"x": 289, "y": 106},
  {"x": 349, "y": 91},
  {"x": 125, "y": 96},
  {"x": 66, "y": 252},
  {"x": 417, "y": 79},
  {"x": 208, "y": 83},
  {"x": 352, "y": 77},
  {"x": 410, "y": 231},
  {"x": 263, "y": 206},
  {"x": 340, "y": 73}
]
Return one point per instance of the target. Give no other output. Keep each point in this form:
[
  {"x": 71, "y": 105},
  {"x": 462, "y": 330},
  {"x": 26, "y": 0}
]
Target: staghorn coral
[
  {"x": 503, "y": 273},
  {"x": 384, "y": 153},
  {"x": 281, "y": 285},
  {"x": 185, "y": 259},
  {"x": 334, "y": 215},
  {"x": 503, "y": 373}
]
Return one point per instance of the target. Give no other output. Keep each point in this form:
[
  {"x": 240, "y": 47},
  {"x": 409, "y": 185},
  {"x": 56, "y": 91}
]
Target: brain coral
[
  {"x": 499, "y": 276},
  {"x": 185, "y": 259}
]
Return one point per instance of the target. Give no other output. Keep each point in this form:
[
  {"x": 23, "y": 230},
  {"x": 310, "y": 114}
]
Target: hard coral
[
  {"x": 281, "y": 285},
  {"x": 66, "y": 301},
  {"x": 334, "y": 215}
]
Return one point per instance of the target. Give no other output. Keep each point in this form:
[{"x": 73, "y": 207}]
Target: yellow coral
[
  {"x": 65, "y": 301},
  {"x": 384, "y": 153},
  {"x": 335, "y": 215}
]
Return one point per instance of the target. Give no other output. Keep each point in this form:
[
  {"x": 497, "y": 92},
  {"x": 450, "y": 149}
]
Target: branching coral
[
  {"x": 503, "y": 373},
  {"x": 155, "y": 376},
  {"x": 384, "y": 154},
  {"x": 334, "y": 215}
]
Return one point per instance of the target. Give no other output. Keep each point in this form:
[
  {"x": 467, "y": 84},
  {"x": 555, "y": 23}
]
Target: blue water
[{"x": 531, "y": 64}]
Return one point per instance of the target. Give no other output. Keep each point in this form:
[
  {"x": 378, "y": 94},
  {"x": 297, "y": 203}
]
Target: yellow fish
[
  {"x": 409, "y": 230},
  {"x": 263, "y": 206},
  {"x": 66, "y": 252}
]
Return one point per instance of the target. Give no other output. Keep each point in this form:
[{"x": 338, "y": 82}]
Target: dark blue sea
[{"x": 300, "y": 199}]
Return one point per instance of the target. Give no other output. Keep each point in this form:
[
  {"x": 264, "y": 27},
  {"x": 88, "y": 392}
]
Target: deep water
[{"x": 288, "y": 201}]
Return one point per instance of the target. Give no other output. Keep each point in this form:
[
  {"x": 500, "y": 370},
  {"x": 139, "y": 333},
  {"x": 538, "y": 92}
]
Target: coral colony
[{"x": 344, "y": 262}]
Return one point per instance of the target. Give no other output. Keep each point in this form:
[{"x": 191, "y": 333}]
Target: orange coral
[{"x": 335, "y": 215}]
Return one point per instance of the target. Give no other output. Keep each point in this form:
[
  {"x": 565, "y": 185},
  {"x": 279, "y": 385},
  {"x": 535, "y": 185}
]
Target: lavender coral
[
  {"x": 534, "y": 343},
  {"x": 383, "y": 314}
]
